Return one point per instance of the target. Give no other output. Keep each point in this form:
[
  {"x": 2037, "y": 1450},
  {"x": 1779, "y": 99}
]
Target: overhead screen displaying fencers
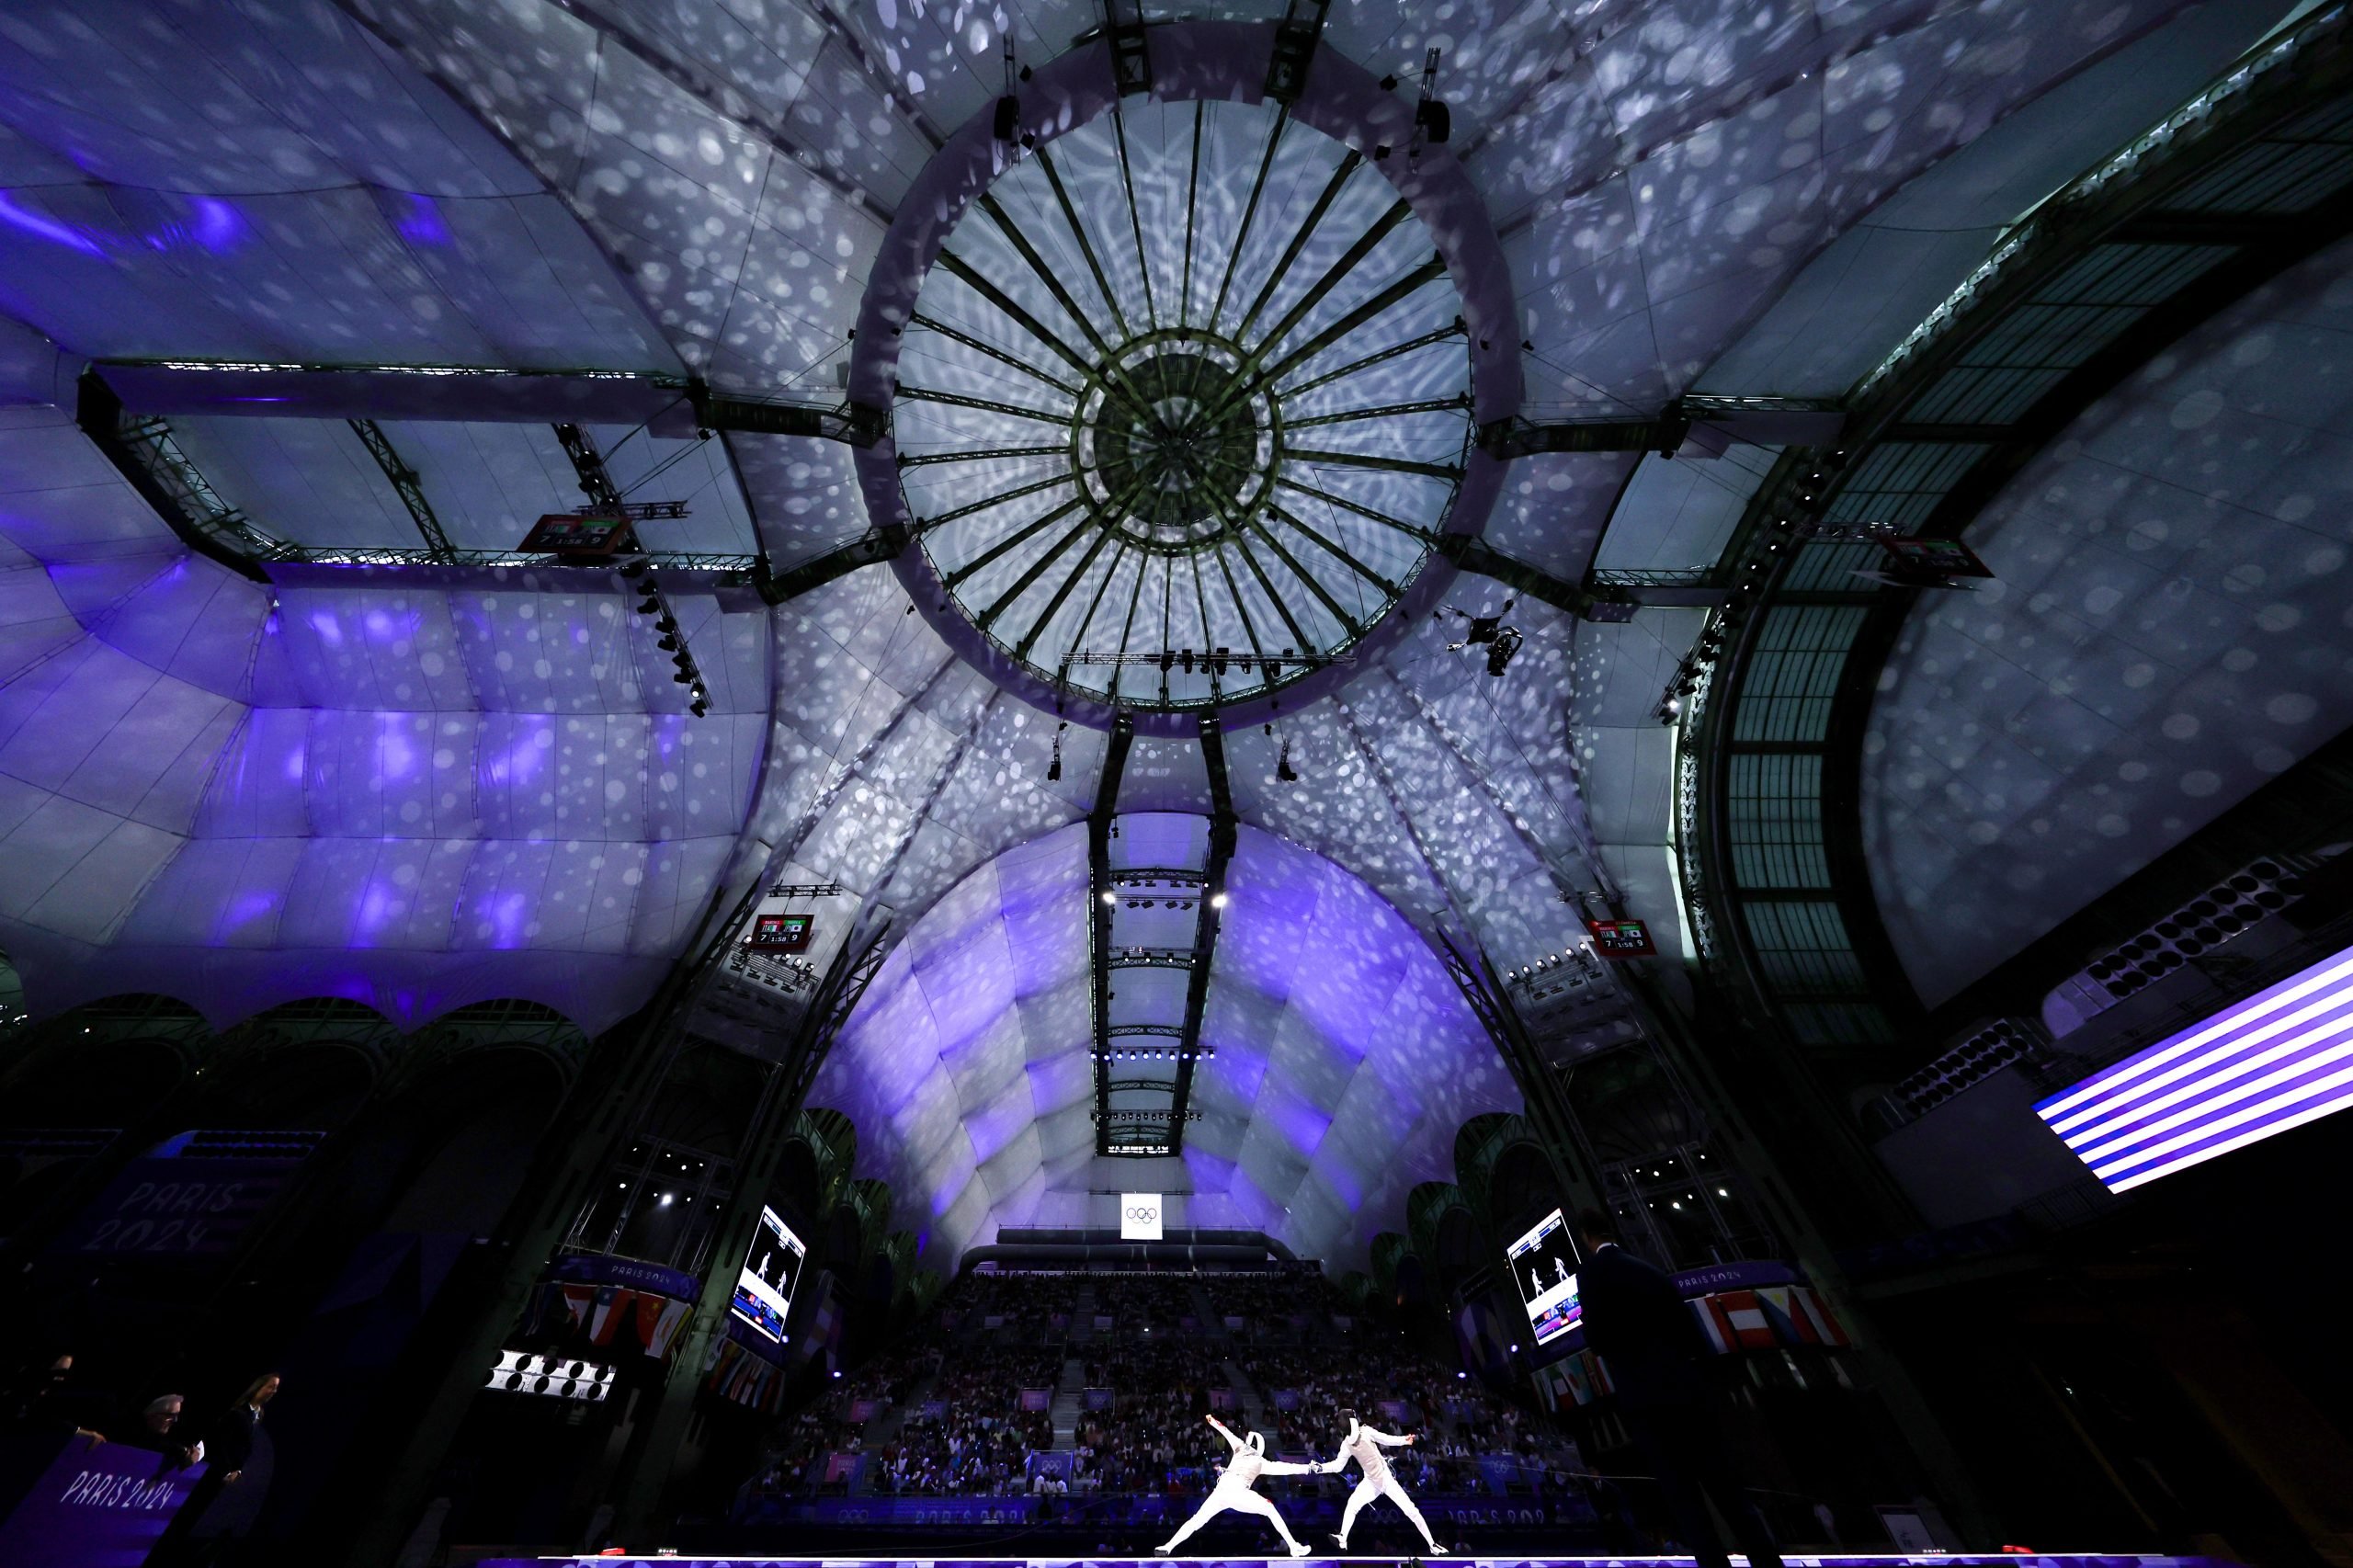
[
  {"x": 2280, "y": 1059},
  {"x": 763, "y": 1291},
  {"x": 1544, "y": 1268}
]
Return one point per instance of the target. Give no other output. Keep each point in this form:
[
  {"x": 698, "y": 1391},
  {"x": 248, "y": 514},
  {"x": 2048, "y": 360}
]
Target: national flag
[
  {"x": 604, "y": 1320},
  {"x": 1719, "y": 1333},
  {"x": 1744, "y": 1319},
  {"x": 1817, "y": 1314}
]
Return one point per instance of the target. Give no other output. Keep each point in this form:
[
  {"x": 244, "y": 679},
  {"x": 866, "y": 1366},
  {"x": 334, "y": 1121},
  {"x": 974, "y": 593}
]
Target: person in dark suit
[{"x": 1657, "y": 1360}]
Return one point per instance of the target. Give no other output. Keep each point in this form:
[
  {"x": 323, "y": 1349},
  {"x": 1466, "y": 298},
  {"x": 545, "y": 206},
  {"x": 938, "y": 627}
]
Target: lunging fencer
[
  {"x": 1364, "y": 1445},
  {"x": 1233, "y": 1490}
]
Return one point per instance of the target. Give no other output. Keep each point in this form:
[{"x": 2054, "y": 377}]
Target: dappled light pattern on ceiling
[
  {"x": 2166, "y": 631},
  {"x": 894, "y": 766},
  {"x": 1345, "y": 1060},
  {"x": 746, "y": 236},
  {"x": 1180, "y": 449},
  {"x": 233, "y": 178},
  {"x": 1663, "y": 169},
  {"x": 411, "y": 796}
]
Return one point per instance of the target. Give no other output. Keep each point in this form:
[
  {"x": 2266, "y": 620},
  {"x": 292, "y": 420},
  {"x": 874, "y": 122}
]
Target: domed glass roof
[{"x": 1184, "y": 403}]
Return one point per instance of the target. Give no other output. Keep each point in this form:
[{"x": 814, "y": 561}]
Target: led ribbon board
[
  {"x": 763, "y": 1291},
  {"x": 1545, "y": 1270},
  {"x": 2274, "y": 1061}
]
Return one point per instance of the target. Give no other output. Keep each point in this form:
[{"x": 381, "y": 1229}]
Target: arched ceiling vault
[{"x": 418, "y": 790}]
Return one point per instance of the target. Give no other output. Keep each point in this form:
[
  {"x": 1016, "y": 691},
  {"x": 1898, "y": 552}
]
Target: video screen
[
  {"x": 763, "y": 1291},
  {"x": 1545, "y": 1270},
  {"x": 2258, "y": 1068}
]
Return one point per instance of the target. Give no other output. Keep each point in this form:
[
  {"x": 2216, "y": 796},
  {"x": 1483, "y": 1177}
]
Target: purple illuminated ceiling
[
  {"x": 1344, "y": 1060},
  {"x": 425, "y": 796}
]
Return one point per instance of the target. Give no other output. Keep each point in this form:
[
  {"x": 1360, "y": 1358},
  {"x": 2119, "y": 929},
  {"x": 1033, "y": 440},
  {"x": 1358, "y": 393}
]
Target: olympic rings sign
[{"x": 1139, "y": 1215}]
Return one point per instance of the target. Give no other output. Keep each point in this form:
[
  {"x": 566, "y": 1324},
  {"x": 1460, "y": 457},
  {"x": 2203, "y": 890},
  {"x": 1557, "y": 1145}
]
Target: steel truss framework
[
  {"x": 1158, "y": 452},
  {"x": 2251, "y": 176}
]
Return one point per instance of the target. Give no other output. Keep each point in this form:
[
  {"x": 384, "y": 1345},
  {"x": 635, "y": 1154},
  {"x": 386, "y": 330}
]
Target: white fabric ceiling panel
[
  {"x": 804, "y": 492},
  {"x": 77, "y": 870},
  {"x": 306, "y": 196},
  {"x": 979, "y": 1027},
  {"x": 386, "y": 818},
  {"x": 185, "y": 907},
  {"x": 192, "y": 620},
  {"x": 1555, "y": 506},
  {"x": 102, "y": 729},
  {"x": 1677, "y": 513},
  {"x": 2164, "y": 634},
  {"x": 1878, "y": 280}
]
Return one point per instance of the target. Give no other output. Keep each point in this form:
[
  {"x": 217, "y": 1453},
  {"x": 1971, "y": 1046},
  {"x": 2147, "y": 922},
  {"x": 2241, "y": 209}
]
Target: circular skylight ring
[{"x": 1198, "y": 516}]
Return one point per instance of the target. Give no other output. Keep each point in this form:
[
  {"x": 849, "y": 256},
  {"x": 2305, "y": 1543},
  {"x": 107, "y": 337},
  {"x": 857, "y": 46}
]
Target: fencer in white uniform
[
  {"x": 1234, "y": 1490},
  {"x": 1364, "y": 1445}
]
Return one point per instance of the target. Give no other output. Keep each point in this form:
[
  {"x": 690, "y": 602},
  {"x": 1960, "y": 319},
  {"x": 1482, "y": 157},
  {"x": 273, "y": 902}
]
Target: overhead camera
[{"x": 1502, "y": 641}]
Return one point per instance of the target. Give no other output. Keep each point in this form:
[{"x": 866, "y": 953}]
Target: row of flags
[{"x": 609, "y": 1316}]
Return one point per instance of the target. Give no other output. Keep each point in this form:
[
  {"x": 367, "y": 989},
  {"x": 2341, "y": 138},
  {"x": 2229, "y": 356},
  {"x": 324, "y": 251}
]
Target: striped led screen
[{"x": 2274, "y": 1061}]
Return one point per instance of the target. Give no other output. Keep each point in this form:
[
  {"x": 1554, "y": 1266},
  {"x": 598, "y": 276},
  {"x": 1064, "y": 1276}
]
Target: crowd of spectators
[{"x": 947, "y": 1415}]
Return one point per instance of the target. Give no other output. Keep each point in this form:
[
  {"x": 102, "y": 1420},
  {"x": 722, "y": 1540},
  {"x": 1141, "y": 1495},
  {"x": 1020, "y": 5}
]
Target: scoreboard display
[
  {"x": 786, "y": 933},
  {"x": 1621, "y": 938}
]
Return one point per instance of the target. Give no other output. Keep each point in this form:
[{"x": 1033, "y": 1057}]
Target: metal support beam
[
  {"x": 257, "y": 389},
  {"x": 654, "y": 1452},
  {"x": 1211, "y": 913},
  {"x": 1098, "y": 911},
  {"x": 667, "y": 404},
  {"x": 856, "y": 424},
  {"x": 407, "y": 485},
  {"x": 1541, "y": 1089},
  {"x": 882, "y": 544},
  {"x": 1474, "y": 554},
  {"x": 145, "y": 451},
  {"x": 1695, "y": 423},
  {"x": 1295, "y": 39},
  {"x": 1131, "y": 54},
  {"x": 1518, "y": 437},
  {"x": 589, "y": 464}
]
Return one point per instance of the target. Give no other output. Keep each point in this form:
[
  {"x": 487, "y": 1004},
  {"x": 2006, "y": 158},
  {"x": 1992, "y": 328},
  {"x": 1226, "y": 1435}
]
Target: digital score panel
[
  {"x": 1621, "y": 938},
  {"x": 786, "y": 932},
  {"x": 1544, "y": 1269},
  {"x": 571, "y": 533},
  {"x": 764, "y": 1289}
]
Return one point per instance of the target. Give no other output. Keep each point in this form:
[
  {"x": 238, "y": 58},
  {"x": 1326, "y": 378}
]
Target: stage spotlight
[
  {"x": 1007, "y": 123},
  {"x": 1109, "y": 897},
  {"x": 649, "y": 606},
  {"x": 1283, "y": 769},
  {"x": 667, "y": 644},
  {"x": 699, "y": 707},
  {"x": 683, "y": 678},
  {"x": 666, "y": 624},
  {"x": 1217, "y": 901}
]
